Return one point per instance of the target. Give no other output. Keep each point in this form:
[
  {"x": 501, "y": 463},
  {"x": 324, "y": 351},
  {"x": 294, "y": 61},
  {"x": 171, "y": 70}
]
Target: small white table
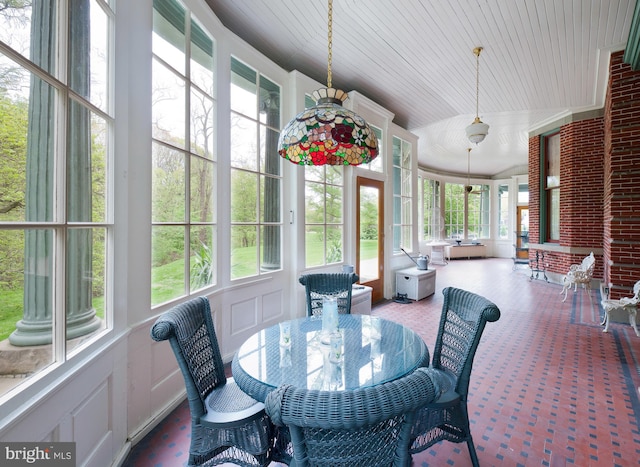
[{"x": 437, "y": 252}]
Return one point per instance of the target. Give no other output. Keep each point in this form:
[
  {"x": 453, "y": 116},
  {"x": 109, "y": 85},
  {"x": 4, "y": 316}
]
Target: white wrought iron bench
[
  {"x": 627, "y": 304},
  {"x": 579, "y": 274}
]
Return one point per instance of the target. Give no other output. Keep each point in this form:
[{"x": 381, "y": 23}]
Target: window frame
[
  {"x": 71, "y": 101},
  {"x": 332, "y": 254},
  {"x": 402, "y": 169},
  {"x": 266, "y": 230},
  {"x": 550, "y": 190},
  {"x": 431, "y": 207},
  {"x": 479, "y": 196},
  {"x": 452, "y": 228},
  {"x": 199, "y": 270}
]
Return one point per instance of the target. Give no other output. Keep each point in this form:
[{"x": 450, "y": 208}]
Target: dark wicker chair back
[
  {"x": 364, "y": 427},
  {"x": 319, "y": 286},
  {"x": 226, "y": 424},
  {"x": 464, "y": 316}
]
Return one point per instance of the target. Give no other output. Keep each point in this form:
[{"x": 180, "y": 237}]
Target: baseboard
[
  {"x": 122, "y": 455},
  {"x": 136, "y": 437}
]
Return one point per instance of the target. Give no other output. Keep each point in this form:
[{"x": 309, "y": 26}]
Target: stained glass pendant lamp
[
  {"x": 327, "y": 133},
  {"x": 477, "y": 131}
]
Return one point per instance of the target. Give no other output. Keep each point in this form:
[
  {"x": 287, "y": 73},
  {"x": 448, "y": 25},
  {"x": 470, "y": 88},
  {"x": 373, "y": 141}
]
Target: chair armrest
[
  {"x": 628, "y": 301},
  {"x": 579, "y": 274}
]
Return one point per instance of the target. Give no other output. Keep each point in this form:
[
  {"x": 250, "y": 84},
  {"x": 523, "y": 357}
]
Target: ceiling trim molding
[
  {"x": 566, "y": 119},
  {"x": 632, "y": 51}
]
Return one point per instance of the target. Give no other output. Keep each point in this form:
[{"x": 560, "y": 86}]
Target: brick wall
[
  {"x": 622, "y": 178},
  {"x": 534, "y": 191},
  {"x": 581, "y": 194},
  {"x": 600, "y": 186}
]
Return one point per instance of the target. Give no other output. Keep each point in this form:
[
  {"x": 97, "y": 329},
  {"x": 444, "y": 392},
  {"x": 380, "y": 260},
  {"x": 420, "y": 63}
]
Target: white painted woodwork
[{"x": 542, "y": 59}]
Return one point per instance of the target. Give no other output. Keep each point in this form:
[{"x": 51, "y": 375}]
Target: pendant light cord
[{"x": 330, "y": 41}]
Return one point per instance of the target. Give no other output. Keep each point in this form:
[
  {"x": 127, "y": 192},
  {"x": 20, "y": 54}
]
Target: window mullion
[{"x": 59, "y": 287}]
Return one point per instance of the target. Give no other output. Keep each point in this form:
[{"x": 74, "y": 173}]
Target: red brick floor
[{"x": 547, "y": 388}]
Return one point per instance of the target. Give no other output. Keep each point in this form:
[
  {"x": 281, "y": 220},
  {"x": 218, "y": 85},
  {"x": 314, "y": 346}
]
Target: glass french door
[
  {"x": 370, "y": 235},
  {"x": 522, "y": 234}
]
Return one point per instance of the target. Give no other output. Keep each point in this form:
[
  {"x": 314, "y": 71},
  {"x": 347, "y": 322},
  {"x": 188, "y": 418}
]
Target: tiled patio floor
[{"x": 548, "y": 387}]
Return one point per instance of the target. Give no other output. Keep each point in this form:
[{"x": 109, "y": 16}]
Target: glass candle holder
[{"x": 285, "y": 334}]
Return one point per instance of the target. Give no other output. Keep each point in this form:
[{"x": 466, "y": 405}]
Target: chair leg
[
  {"x": 472, "y": 453},
  {"x": 606, "y": 319},
  {"x": 632, "y": 321},
  {"x": 565, "y": 287}
]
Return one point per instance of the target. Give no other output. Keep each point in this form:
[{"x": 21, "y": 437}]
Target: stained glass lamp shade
[{"x": 328, "y": 134}]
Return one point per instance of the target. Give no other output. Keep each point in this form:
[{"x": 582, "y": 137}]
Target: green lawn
[
  {"x": 368, "y": 249},
  {"x": 12, "y": 307},
  {"x": 167, "y": 280},
  {"x": 11, "y": 311}
]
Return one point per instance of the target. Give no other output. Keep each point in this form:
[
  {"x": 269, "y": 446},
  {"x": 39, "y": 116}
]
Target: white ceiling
[{"x": 542, "y": 59}]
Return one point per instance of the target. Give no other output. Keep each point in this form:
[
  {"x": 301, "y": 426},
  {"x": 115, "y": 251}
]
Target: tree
[{"x": 13, "y": 144}]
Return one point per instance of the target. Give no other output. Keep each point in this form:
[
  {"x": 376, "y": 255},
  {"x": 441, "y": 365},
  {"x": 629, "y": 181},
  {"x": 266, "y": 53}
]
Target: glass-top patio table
[{"x": 374, "y": 351}]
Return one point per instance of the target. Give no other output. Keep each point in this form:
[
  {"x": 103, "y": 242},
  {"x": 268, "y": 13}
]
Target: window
[
  {"x": 324, "y": 224},
  {"x": 402, "y": 199},
  {"x": 454, "y": 214},
  {"x": 523, "y": 194},
  {"x": 503, "y": 211},
  {"x": 323, "y": 214},
  {"x": 478, "y": 212},
  {"x": 183, "y": 107},
  {"x": 431, "y": 213},
  {"x": 256, "y": 173},
  {"x": 551, "y": 181},
  {"x": 55, "y": 198}
]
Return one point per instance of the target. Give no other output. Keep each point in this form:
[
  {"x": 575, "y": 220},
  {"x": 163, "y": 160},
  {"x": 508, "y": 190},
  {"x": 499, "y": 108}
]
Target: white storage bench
[
  {"x": 416, "y": 283},
  {"x": 465, "y": 251},
  {"x": 361, "y": 299}
]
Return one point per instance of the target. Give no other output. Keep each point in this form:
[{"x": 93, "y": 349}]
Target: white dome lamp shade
[{"x": 478, "y": 130}]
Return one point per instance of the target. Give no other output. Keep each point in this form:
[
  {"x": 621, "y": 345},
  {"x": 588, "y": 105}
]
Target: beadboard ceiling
[{"x": 542, "y": 60}]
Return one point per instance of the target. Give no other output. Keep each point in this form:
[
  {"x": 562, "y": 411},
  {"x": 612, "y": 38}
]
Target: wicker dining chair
[
  {"x": 362, "y": 427},
  {"x": 463, "y": 319},
  {"x": 227, "y": 425},
  {"x": 321, "y": 285}
]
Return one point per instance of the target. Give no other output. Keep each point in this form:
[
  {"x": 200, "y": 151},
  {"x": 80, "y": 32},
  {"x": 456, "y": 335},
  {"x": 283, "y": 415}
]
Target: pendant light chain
[
  {"x": 477, "y": 51},
  {"x": 477, "y": 131},
  {"x": 330, "y": 42},
  {"x": 468, "y": 166}
]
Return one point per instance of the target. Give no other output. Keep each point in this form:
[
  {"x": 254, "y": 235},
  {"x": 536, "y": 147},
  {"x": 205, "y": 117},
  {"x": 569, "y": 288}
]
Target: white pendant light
[{"x": 477, "y": 131}]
